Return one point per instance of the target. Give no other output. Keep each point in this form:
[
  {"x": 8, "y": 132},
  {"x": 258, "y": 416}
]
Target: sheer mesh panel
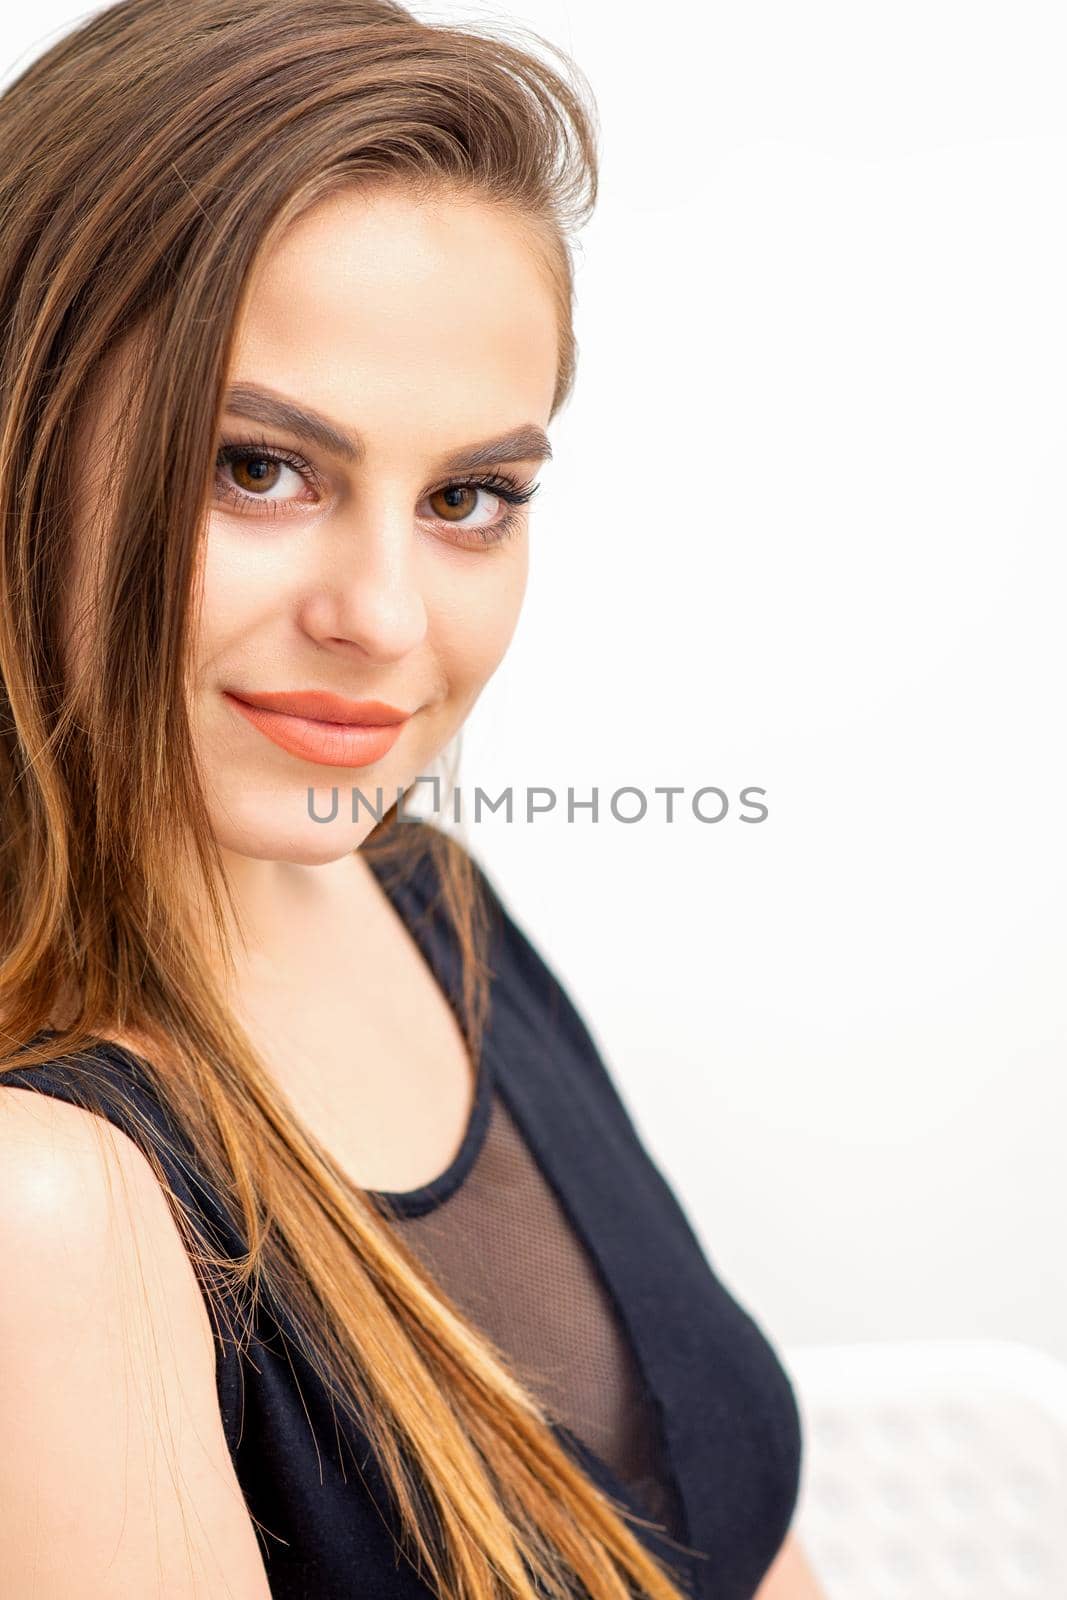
[{"x": 502, "y": 1246}]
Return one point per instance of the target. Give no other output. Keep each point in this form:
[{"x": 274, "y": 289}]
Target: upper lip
[{"x": 322, "y": 706}]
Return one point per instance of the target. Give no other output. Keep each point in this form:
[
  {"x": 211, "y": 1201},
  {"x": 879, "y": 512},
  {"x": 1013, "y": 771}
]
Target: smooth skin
[{"x": 419, "y": 331}]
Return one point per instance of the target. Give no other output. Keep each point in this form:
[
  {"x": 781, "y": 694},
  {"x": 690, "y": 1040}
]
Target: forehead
[{"x": 391, "y": 313}]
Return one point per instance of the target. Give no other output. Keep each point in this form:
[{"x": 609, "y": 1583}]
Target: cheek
[
  {"x": 474, "y": 624},
  {"x": 232, "y": 594}
]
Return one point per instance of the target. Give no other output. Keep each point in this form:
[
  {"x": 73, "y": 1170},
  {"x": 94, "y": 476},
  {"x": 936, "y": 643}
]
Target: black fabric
[
  {"x": 558, "y": 1234},
  {"x": 501, "y": 1244}
]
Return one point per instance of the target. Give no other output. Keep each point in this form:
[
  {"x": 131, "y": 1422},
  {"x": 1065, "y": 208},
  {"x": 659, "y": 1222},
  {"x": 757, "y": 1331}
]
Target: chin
[{"x": 279, "y": 828}]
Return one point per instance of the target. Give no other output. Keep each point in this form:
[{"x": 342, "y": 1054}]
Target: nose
[{"x": 365, "y": 595}]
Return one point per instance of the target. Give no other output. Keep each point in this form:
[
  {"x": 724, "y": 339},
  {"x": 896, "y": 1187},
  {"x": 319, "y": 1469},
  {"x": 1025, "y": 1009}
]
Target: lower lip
[{"x": 330, "y": 744}]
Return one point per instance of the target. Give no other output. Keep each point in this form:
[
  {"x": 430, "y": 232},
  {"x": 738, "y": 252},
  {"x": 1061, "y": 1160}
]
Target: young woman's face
[
  {"x": 392, "y": 569},
  {"x": 373, "y": 554}
]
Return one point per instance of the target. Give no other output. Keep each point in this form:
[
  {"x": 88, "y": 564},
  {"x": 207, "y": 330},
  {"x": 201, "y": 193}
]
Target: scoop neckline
[
  {"x": 428, "y": 1196},
  {"x": 404, "y": 1203}
]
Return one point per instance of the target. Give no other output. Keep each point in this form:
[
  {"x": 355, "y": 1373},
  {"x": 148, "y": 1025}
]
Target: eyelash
[{"x": 502, "y": 485}]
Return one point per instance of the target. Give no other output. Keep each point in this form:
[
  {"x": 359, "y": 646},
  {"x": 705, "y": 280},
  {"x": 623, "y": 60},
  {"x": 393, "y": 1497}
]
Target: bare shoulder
[{"x": 115, "y": 1475}]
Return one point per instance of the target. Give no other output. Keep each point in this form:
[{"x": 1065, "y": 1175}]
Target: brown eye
[
  {"x": 455, "y": 502},
  {"x": 250, "y": 476},
  {"x": 253, "y": 474}
]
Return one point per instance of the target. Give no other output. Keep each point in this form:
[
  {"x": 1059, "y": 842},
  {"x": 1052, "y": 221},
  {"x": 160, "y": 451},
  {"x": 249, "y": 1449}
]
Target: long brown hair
[{"x": 148, "y": 160}]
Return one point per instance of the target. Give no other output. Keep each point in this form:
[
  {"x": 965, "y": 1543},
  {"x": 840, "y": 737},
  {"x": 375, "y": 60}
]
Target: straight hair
[{"x": 148, "y": 161}]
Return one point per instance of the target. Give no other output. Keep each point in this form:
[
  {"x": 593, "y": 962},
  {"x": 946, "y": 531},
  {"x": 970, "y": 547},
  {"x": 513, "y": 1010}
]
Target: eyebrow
[{"x": 257, "y": 404}]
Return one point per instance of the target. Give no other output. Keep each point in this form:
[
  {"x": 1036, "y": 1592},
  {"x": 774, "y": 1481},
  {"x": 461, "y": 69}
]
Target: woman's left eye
[{"x": 457, "y": 504}]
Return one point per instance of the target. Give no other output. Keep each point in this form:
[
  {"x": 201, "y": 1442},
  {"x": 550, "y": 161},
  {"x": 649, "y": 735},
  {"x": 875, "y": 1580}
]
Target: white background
[{"x": 805, "y": 529}]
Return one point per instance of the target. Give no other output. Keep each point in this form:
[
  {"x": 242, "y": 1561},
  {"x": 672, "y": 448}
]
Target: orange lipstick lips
[{"x": 326, "y": 728}]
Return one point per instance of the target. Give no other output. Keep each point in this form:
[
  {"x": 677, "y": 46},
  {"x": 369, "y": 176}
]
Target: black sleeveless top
[{"x": 557, "y": 1234}]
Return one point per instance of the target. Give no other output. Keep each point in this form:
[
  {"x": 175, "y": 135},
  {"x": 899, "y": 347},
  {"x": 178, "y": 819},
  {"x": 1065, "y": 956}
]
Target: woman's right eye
[{"x": 257, "y": 472}]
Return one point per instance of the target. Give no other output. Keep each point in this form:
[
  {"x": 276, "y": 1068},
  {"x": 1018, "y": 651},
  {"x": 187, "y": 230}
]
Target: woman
[{"x": 341, "y": 1268}]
